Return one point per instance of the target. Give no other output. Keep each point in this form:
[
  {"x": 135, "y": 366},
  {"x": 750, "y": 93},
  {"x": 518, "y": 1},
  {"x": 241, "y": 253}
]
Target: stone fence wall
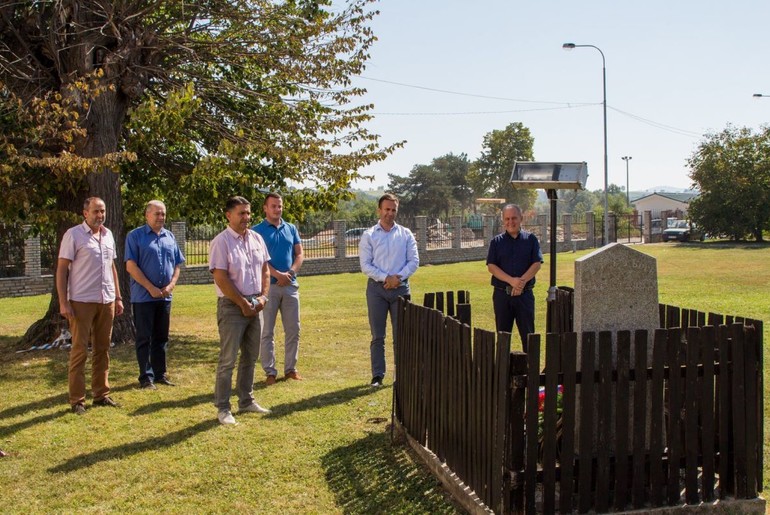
[{"x": 459, "y": 249}]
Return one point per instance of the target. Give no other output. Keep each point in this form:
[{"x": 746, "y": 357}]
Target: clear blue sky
[{"x": 676, "y": 70}]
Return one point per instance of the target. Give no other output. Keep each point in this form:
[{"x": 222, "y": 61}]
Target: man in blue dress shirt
[
  {"x": 388, "y": 257},
  {"x": 514, "y": 259},
  {"x": 285, "y": 249},
  {"x": 153, "y": 260}
]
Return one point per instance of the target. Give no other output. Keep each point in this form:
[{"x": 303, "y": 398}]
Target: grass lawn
[{"x": 323, "y": 449}]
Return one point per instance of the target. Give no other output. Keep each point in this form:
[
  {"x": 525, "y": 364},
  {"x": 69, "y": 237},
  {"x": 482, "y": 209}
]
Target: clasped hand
[
  {"x": 517, "y": 286},
  {"x": 250, "y": 309},
  {"x": 392, "y": 282}
]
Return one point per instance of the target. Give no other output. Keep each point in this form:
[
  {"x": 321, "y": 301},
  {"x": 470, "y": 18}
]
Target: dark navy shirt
[
  {"x": 514, "y": 256},
  {"x": 156, "y": 255}
]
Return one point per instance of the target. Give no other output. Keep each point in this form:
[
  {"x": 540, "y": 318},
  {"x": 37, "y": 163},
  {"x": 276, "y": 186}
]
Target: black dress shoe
[
  {"x": 147, "y": 385},
  {"x": 164, "y": 380}
]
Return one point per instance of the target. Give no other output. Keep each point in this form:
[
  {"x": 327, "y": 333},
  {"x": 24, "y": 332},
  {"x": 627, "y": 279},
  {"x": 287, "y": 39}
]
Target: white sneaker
[
  {"x": 226, "y": 418},
  {"x": 254, "y": 408}
]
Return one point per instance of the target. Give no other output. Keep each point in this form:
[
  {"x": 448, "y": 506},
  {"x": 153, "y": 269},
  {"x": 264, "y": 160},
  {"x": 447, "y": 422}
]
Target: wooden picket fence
[{"x": 574, "y": 438}]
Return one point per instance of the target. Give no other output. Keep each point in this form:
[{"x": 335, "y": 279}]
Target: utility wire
[
  {"x": 562, "y": 105},
  {"x": 463, "y": 113},
  {"x": 460, "y": 93},
  {"x": 658, "y": 125}
]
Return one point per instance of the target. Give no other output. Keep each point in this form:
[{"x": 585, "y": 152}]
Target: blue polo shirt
[
  {"x": 280, "y": 243},
  {"x": 514, "y": 256},
  {"x": 156, "y": 255}
]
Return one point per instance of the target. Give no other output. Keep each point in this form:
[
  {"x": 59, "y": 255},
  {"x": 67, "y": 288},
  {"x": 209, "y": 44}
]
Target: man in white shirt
[{"x": 388, "y": 257}]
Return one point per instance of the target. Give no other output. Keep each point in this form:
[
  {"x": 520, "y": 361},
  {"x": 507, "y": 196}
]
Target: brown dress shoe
[
  {"x": 270, "y": 380},
  {"x": 294, "y": 375},
  {"x": 106, "y": 402}
]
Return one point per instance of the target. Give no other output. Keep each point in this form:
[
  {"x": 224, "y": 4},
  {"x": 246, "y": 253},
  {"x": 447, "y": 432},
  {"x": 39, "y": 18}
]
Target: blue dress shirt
[{"x": 156, "y": 255}]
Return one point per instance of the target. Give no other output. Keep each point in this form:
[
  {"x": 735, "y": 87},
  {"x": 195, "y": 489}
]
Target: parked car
[
  {"x": 353, "y": 236},
  {"x": 656, "y": 226},
  {"x": 682, "y": 230},
  {"x": 310, "y": 243},
  {"x": 327, "y": 238}
]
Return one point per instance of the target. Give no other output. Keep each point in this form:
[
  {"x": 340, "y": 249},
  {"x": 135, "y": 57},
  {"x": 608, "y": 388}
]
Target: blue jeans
[
  {"x": 380, "y": 302},
  {"x": 151, "y": 320},
  {"x": 236, "y": 332},
  {"x": 510, "y": 309},
  {"x": 286, "y": 300}
]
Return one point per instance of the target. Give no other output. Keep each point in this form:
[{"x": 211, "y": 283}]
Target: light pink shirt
[
  {"x": 242, "y": 257},
  {"x": 90, "y": 271}
]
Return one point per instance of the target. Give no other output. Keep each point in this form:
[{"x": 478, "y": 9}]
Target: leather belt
[{"x": 509, "y": 291}]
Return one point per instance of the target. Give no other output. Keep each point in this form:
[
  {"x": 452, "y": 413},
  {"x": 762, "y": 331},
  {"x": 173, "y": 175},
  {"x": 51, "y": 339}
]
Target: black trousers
[
  {"x": 509, "y": 309},
  {"x": 152, "y": 325}
]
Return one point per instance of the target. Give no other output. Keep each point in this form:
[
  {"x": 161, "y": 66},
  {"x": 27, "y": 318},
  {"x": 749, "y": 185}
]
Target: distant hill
[
  {"x": 666, "y": 189},
  {"x": 374, "y": 193}
]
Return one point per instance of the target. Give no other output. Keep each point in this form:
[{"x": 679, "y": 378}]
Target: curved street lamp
[
  {"x": 627, "y": 159},
  {"x": 570, "y": 46}
]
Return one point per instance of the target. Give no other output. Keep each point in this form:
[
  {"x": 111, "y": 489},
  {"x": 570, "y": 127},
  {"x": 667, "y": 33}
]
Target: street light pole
[
  {"x": 570, "y": 46},
  {"x": 627, "y": 159}
]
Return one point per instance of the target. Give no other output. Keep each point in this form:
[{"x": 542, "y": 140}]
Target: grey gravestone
[{"x": 616, "y": 288}]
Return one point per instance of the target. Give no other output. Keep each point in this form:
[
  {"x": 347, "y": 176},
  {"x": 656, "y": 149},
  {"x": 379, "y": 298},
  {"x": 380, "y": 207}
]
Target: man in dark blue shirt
[
  {"x": 514, "y": 259},
  {"x": 153, "y": 260}
]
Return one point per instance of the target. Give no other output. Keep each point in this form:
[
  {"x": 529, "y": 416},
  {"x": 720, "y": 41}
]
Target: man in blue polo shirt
[
  {"x": 514, "y": 259},
  {"x": 285, "y": 249},
  {"x": 153, "y": 260}
]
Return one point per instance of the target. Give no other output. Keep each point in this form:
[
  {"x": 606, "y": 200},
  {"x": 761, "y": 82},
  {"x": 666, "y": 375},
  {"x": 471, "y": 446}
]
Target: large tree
[
  {"x": 732, "y": 171},
  {"x": 438, "y": 189},
  {"x": 187, "y": 101},
  {"x": 491, "y": 174},
  {"x": 425, "y": 191},
  {"x": 456, "y": 169}
]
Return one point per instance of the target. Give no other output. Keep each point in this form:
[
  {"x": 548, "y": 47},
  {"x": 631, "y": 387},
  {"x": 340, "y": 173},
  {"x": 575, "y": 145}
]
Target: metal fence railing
[
  {"x": 197, "y": 239},
  {"x": 11, "y": 251}
]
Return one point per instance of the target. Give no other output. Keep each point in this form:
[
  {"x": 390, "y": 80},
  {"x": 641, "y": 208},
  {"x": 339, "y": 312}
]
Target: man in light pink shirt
[
  {"x": 89, "y": 298},
  {"x": 238, "y": 259}
]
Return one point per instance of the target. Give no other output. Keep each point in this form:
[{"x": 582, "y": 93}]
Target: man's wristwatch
[
  {"x": 264, "y": 297},
  {"x": 292, "y": 273}
]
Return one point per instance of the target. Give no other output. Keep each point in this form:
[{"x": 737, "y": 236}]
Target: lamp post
[
  {"x": 627, "y": 159},
  {"x": 570, "y": 46}
]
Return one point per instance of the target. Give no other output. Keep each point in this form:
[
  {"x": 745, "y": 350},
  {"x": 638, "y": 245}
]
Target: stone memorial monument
[{"x": 616, "y": 288}]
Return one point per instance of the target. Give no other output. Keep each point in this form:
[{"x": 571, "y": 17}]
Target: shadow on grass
[
  {"x": 24, "y": 424},
  {"x": 321, "y": 401},
  {"x": 371, "y": 476},
  {"x": 129, "y": 449},
  {"x": 183, "y": 351},
  {"x": 52, "y": 401},
  {"x": 48, "y": 402},
  {"x": 723, "y": 245},
  {"x": 189, "y": 402}
]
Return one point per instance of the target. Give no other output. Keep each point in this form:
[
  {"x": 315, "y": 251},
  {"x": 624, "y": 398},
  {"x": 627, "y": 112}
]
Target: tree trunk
[{"x": 103, "y": 124}]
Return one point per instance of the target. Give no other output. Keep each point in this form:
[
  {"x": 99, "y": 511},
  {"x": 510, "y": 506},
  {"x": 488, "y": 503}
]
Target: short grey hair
[
  {"x": 153, "y": 203},
  {"x": 513, "y": 206}
]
